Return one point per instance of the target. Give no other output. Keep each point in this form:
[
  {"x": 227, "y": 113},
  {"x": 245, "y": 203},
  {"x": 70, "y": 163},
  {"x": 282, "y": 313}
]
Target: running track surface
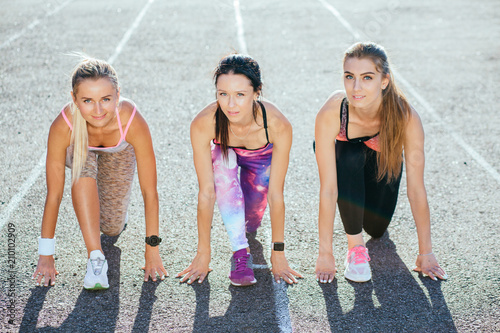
[{"x": 446, "y": 58}]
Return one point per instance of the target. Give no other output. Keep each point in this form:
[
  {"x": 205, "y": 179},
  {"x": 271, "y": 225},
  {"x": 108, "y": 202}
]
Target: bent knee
[
  {"x": 111, "y": 232},
  {"x": 112, "y": 229},
  {"x": 375, "y": 233}
]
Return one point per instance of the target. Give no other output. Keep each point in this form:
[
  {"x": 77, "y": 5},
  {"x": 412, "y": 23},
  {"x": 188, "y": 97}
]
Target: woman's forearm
[
  {"x": 204, "y": 220},
  {"x": 326, "y": 217},
  {"x": 277, "y": 214},
  {"x": 151, "y": 212},
  {"x": 50, "y": 213},
  {"x": 421, "y": 215}
]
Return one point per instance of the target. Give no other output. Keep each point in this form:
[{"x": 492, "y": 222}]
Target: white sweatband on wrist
[{"x": 46, "y": 246}]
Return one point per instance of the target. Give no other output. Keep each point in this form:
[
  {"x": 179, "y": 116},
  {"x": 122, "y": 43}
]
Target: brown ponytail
[{"x": 393, "y": 113}]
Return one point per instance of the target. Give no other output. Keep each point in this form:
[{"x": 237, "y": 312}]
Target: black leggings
[{"x": 363, "y": 202}]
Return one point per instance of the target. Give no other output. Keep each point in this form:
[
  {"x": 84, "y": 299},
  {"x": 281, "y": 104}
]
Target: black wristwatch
[
  {"x": 153, "y": 240},
  {"x": 278, "y": 246}
]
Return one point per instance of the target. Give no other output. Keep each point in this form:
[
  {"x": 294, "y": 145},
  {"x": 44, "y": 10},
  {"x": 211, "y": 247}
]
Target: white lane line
[
  {"x": 239, "y": 27},
  {"x": 33, "y": 24},
  {"x": 14, "y": 202},
  {"x": 37, "y": 170},
  {"x": 426, "y": 105},
  {"x": 281, "y": 304},
  {"x": 129, "y": 32},
  {"x": 454, "y": 134},
  {"x": 280, "y": 296},
  {"x": 279, "y": 289},
  {"x": 341, "y": 19}
]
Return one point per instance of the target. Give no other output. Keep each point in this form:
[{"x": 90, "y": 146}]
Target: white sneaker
[
  {"x": 357, "y": 268},
  {"x": 97, "y": 272}
]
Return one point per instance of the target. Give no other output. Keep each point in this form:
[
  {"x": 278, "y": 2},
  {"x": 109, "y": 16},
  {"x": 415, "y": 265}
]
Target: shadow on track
[
  {"x": 33, "y": 308},
  {"x": 402, "y": 304},
  {"x": 146, "y": 302},
  {"x": 252, "y": 308},
  {"x": 93, "y": 311}
]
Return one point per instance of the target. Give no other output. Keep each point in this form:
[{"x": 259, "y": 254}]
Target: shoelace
[
  {"x": 360, "y": 255},
  {"x": 97, "y": 265},
  {"x": 241, "y": 262}
]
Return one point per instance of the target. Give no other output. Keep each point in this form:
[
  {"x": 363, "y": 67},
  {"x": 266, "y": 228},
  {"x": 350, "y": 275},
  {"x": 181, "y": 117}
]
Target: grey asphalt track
[{"x": 447, "y": 56}]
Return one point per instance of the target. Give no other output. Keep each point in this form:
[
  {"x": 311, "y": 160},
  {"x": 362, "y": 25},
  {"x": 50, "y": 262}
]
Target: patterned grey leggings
[{"x": 114, "y": 173}]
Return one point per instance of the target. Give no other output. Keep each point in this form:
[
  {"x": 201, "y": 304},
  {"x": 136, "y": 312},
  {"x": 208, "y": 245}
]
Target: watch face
[
  {"x": 153, "y": 240},
  {"x": 279, "y": 247}
]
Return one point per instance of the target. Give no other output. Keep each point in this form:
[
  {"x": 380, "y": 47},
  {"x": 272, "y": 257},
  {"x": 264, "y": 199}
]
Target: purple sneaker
[{"x": 241, "y": 269}]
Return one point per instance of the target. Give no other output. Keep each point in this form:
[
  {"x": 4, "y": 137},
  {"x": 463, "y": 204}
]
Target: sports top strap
[
  {"x": 264, "y": 119},
  {"x": 123, "y": 133},
  {"x": 66, "y": 119},
  {"x": 344, "y": 124}
]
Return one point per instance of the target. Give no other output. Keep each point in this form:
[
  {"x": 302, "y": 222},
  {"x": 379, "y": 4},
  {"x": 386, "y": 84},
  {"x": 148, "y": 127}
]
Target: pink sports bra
[{"x": 121, "y": 145}]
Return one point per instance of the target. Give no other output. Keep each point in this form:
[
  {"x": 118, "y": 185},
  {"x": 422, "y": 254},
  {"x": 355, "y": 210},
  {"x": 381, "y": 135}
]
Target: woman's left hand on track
[
  {"x": 154, "y": 264},
  {"x": 325, "y": 268},
  {"x": 281, "y": 270},
  {"x": 429, "y": 266}
]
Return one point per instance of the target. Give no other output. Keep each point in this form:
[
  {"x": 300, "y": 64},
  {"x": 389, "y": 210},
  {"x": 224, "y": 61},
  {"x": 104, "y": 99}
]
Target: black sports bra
[{"x": 264, "y": 119}]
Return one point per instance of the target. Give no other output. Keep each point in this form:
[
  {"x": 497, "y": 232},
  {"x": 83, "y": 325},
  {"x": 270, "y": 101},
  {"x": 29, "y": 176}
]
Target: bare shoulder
[
  {"x": 59, "y": 125},
  {"x": 414, "y": 132},
  {"x": 126, "y": 108},
  {"x": 414, "y": 121},
  {"x": 127, "y": 104},
  {"x": 60, "y": 132},
  {"x": 138, "y": 134},
  {"x": 204, "y": 120},
  {"x": 138, "y": 126},
  {"x": 328, "y": 117},
  {"x": 276, "y": 120},
  {"x": 67, "y": 112},
  {"x": 331, "y": 107},
  {"x": 413, "y": 116}
]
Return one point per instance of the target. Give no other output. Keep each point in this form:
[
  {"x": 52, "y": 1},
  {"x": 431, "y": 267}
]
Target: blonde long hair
[
  {"x": 393, "y": 112},
  {"x": 93, "y": 69}
]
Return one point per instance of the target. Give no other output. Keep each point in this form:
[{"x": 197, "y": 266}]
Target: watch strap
[
  {"x": 278, "y": 246},
  {"x": 153, "y": 240}
]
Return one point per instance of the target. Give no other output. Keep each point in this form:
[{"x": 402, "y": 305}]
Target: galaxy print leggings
[{"x": 242, "y": 200}]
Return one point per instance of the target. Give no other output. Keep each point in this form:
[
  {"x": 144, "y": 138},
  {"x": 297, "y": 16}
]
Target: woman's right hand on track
[
  {"x": 198, "y": 270},
  {"x": 325, "y": 268},
  {"x": 45, "y": 270}
]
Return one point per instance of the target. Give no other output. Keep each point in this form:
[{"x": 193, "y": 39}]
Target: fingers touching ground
[
  {"x": 191, "y": 275},
  {"x": 289, "y": 276},
  {"x": 433, "y": 272},
  {"x": 326, "y": 277},
  {"x": 45, "y": 279},
  {"x": 153, "y": 272}
]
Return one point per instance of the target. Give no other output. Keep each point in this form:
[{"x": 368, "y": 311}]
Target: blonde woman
[
  {"x": 361, "y": 134},
  {"x": 100, "y": 137}
]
